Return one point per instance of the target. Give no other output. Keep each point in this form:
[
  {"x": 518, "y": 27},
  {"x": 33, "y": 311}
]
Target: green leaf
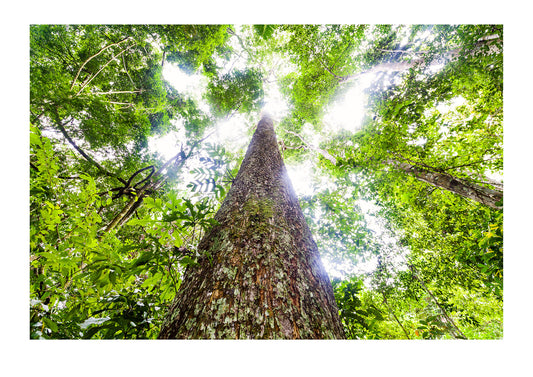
[
  {"x": 35, "y": 139},
  {"x": 50, "y": 324},
  {"x": 143, "y": 259}
]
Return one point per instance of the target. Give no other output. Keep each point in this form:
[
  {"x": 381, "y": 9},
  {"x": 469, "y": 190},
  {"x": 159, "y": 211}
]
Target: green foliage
[
  {"x": 106, "y": 287},
  {"x": 240, "y": 91},
  {"x": 339, "y": 228},
  {"x": 105, "y": 82},
  {"x": 97, "y": 95},
  {"x": 190, "y": 46},
  {"x": 102, "y": 88},
  {"x": 322, "y": 53},
  {"x": 359, "y": 316},
  {"x": 264, "y": 31}
]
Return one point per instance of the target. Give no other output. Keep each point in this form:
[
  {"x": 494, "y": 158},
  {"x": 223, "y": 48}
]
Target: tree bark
[
  {"x": 483, "y": 195},
  {"x": 260, "y": 276}
]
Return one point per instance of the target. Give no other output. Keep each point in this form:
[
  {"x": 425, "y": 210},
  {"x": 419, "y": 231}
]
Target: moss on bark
[{"x": 266, "y": 279}]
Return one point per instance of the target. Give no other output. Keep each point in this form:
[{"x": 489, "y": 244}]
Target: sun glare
[
  {"x": 274, "y": 104},
  {"x": 190, "y": 85},
  {"x": 232, "y": 133},
  {"x": 168, "y": 145},
  {"x": 348, "y": 112}
]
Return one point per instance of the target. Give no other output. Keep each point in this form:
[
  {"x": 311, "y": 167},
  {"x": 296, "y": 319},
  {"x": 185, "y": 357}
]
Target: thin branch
[
  {"x": 126, "y": 104},
  {"x": 414, "y": 163},
  {"x": 231, "y": 32},
  {"x": 323, "y": 152},
  {"x": 126, "y": 69},
  {"x": 163, "y": 59},
  {"x": 448, "y": 318},
  {"x": 94, "y": 56},
  {"x": 118, "y": 92},
  {"x": 151, "y": 185},
  {"x": 80, "y": 151},
  {"x": 37, "y": 117},
  {"x": 469, "y": 164},
  {"x": 324, "y": 65},
  {"x": 100, "y": 70},
  {"x": 342, "y": 54},
  {"x": 404, "y": 51},
  {"x": 394, "y": 315}
]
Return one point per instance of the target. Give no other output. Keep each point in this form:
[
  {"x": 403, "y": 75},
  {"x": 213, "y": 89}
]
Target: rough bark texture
[
  {"x": 262, "y": 277},
  {"x": 483, "y": 195}
]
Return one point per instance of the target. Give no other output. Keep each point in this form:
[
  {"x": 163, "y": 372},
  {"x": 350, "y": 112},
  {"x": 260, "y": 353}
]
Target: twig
[
  {"x": 394, "y": 315},
  {"x": 323, "y": 152}
]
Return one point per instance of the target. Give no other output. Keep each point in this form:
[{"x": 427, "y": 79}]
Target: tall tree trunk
[
  {"x": 469, "y": 190},
  {"x": 261, "y": 276}
]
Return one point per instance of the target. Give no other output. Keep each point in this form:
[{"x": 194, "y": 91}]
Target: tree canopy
[{"x": 393, "y": 137}]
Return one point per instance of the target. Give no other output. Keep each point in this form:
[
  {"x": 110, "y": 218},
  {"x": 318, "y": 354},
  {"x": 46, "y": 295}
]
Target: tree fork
[{"x": 260, "y": 275}]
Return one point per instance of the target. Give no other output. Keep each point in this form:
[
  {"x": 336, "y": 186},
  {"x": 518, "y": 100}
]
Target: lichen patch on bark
[{"x": 266, "y": 280}]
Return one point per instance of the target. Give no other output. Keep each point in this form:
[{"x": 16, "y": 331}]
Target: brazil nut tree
[
  {"x": 260, "y": 274},
  {"x": 395, "y": 131}
]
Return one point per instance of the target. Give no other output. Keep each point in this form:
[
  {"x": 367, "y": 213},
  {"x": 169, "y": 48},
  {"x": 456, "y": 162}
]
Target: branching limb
[
  {"x": 79, "y": 150},
  {"x": 152, "y": 185},
  {"x": 94, "y": 56},
  {"x": 241, "y": 42},
  {"x": 90, "y": 78},
  {"x": 129, "y": 189}
]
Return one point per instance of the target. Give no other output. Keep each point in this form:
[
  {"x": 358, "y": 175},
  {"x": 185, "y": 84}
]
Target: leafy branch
[{"x": 323, "y": 152}]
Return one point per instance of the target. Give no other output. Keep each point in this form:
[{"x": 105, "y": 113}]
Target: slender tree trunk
[
  {"x": 469, "y": 190},
  {"x": 456, "y": 333},
  {"x": 481, "y": 194},
  {"x": 394, "y": 315},
  {"x": 261, "y": 276}
]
